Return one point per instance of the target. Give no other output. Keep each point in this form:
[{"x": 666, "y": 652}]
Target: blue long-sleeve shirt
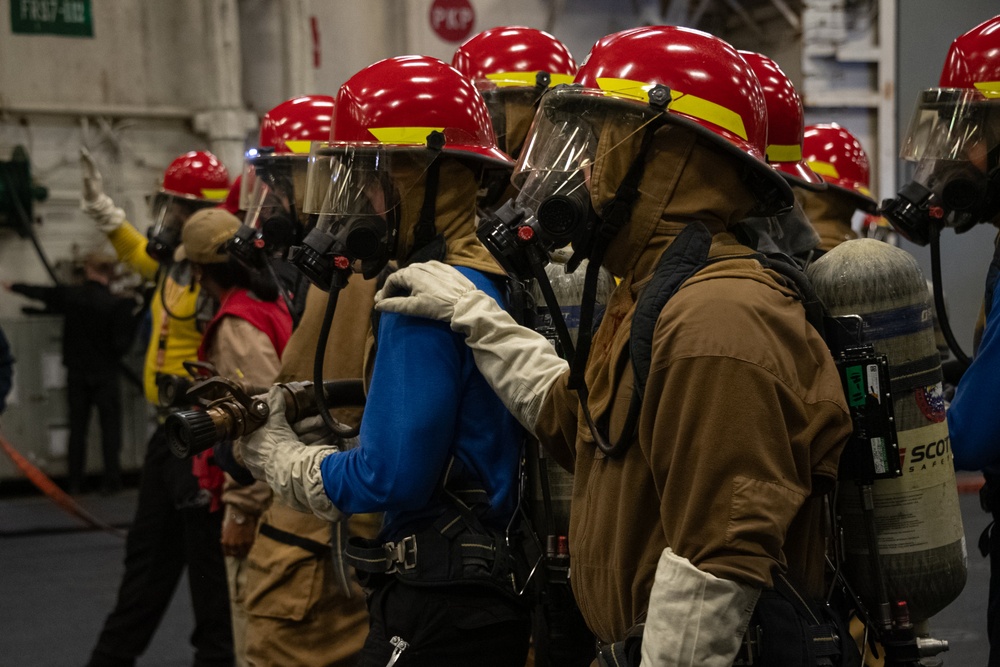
[
  {"x": 974, "y": 415},
  {"x": 426, "y": 402}
]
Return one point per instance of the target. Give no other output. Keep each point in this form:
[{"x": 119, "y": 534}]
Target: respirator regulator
[
  {"x": 954, "y": 140},
  {"x": 525, "y": 230}
]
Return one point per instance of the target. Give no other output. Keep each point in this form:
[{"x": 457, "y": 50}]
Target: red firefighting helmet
[
  {"x": 399, "y": 102},
  {"x": 512, "y": 56},
  {"x": 785, "y": 124},
  {"x": 197, "y": 175},
  {"x": 290, "y": 127},
  {"x": 281, "y": 156},
  {"x": 837, "y": 156},
  {"x": 973, "y": 60},
  {"x": 712, "y": 91}
]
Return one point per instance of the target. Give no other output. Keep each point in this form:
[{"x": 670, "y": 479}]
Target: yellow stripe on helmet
[
  {"x": 824, "y": 168},
  {"x": 505, "y": 79},
  {"x": 403, "y": 135},
  {"x": 689, "y": 105},
  {"x": 213, "y": 193},
  {"x": 989, "y": 89},
  {"x": 784, "y": 152},
  {"x": 299, "y": 147}
]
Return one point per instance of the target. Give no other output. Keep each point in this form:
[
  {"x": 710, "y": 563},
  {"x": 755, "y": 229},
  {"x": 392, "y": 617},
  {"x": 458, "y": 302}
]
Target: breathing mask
[
  {"x": 169, "y": 213},
  {"x": 268, "y": 195},
  {"x": 954, "y": 139},
  {"x": 574, "y": 136},
  {"x": 358, "y": 208}
]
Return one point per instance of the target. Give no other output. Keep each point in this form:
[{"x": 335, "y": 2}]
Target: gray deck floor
[{"x": 57, "y": 584}]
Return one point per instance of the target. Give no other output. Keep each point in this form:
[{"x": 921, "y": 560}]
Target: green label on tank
[{"x": 855, "y": 385}]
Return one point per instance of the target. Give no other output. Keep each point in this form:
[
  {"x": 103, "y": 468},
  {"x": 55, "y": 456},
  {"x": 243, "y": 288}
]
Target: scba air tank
[
  {"x": 568, "y": 290},
  {"x": 917, "y": 516}
]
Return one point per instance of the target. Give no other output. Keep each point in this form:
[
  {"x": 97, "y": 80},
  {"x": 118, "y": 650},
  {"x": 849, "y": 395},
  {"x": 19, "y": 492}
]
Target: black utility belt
[{"x": 433, "y": 558}]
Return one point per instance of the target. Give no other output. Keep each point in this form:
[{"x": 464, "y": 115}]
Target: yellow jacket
[{"x": 171, "y": 340}]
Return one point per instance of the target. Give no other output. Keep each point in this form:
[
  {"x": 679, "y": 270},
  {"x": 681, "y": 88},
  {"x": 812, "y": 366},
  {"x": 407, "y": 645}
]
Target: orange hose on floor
[{"x": 44, "y": 484}]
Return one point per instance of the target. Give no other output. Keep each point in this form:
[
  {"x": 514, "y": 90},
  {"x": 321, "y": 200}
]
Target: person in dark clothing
[
  {"x": 6, "y": 371},
  {"x": 97, "y": 330}
]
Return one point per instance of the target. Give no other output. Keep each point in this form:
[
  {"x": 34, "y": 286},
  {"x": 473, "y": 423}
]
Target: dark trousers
[
  {"x": 172, "y": 529},
  {"x": 444, "y": 627},
  {"x": 103, "y": 391}
]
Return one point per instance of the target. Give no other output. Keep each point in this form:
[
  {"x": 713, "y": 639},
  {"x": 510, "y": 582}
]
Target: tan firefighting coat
[
  {"x": 743, "y": 419},
  {"x": 296, "y": 611}
]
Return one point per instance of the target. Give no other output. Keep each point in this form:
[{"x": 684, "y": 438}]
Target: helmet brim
[{"x": 799, "y": 175}]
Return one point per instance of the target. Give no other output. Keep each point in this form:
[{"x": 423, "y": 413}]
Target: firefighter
[
  {"x": 273, "y": 191},
  {"x": 301, "y": 605},
  {"x": 437, "y": 451},
  {"x": 954, "y": 139},
  {"x": 691, "y": 498},
  {"x": 173, "y": 526}
]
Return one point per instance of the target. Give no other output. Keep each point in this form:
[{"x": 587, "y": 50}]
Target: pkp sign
[{"x": 452, "y": 20}]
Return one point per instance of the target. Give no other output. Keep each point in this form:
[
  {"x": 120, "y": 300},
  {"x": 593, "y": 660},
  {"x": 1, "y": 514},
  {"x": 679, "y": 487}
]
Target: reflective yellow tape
[
  {"x": 784, "y": 153},
  {"x": 689, "y": 105},
  {"x": 865, "y": 191},
  {"x": 989, "y": 89},
  {"x": 403, "y": 135},
  {"x": 503, "y": 79},
  {"x": 824, "y": 168},
  {"x": 210, "y": 193},
  {"x": 300, "y": 147}
]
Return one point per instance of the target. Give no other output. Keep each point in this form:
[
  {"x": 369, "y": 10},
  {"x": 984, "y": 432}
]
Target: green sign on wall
[{"x": 52, "y": 17}]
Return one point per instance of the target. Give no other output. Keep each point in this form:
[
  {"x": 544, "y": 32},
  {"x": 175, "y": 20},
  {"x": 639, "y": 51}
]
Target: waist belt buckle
[{"x": 401, "y": 555}]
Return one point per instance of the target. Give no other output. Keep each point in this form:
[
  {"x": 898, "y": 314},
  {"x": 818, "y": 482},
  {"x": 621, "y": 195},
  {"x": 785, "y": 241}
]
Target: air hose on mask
[
  {"x": 939, "y": 307},
  {"x": 614, "y": 216},
  {"x": 342, "y": 431},
  {"x": 161, "y": 283}
]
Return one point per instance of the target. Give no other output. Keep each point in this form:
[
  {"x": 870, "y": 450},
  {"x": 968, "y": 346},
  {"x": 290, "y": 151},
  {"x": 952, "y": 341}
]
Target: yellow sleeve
[{"x": 130, "y": 245}]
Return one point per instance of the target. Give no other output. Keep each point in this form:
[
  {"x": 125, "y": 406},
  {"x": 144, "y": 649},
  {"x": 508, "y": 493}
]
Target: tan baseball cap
[{"x": 203, "y": 239}]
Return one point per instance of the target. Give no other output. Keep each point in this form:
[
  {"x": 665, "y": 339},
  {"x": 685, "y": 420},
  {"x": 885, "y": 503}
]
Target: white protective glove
[
  {"x": 314, "y": 431},
  {"x": 694, "y": 619},
  {"x": 94, "y": 202},
  {"x": 275, "y": 454},
  {"x": 519, "y": 363}
]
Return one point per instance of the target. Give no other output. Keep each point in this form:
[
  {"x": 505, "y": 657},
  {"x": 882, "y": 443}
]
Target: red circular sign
[{"x": 452, "y": 20}]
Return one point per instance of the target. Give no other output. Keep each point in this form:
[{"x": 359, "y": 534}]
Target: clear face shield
[
  {"x": 356, "y": 190},
  {"x": 511, "y": 100},
  {"x": 271, "y": 193},
  {"x": 954, "y": 139},
  {"x": 169, "y": 213},
  {"x": 575, "y": 132}
]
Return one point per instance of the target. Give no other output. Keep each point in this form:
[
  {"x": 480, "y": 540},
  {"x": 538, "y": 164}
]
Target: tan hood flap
[
  {"x": 830, "y": 213},
  {"x": 455, "y": 215},
  {"x": 684, "y": 182}
]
